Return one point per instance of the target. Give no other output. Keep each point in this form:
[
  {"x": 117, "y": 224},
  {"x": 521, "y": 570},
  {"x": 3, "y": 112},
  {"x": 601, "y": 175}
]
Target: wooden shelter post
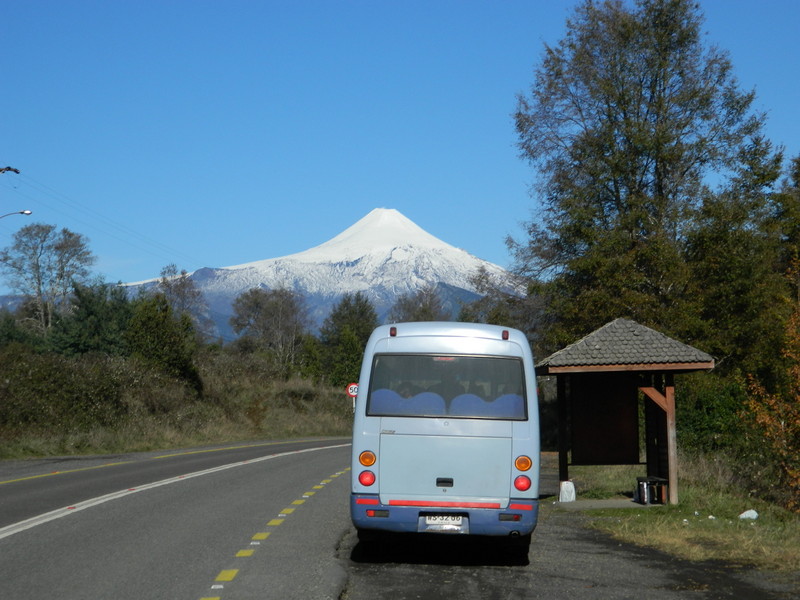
[
  {"x": 666, "y": 401},
  {"x": 563, "y": 438}
]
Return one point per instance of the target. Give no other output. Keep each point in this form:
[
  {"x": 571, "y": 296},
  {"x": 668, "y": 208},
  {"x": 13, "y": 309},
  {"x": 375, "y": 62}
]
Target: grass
[{"x": 704, "y": 525}]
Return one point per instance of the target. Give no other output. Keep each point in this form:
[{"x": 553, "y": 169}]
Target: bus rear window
[{"x": 422, "y": 385}]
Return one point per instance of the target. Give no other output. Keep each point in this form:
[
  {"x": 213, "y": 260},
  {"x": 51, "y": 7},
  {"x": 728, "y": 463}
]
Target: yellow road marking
[
  {"x": 227, "y": 575},
  {"x": 65, "y": 472},
  {"x": 230, "y": 574}
]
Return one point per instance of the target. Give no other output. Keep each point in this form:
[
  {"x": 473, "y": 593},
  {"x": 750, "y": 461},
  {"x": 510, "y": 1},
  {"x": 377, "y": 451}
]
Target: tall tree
[
  {"x": 184, "y": 297},
  {"x": 627, "y": 116},
  {"x": 788, "y": 213},
  {"x": 97, "y": 321},
  {"x": 344, "y": 335},
  {"x": 422, "y": 305},
  {"x": 777, "y": 415},
  {"x": 156, "y": 336},
  {"x": 498, "y": 303},
  {"x": 275, "y": 321},
  {"x": 43, "y": 263},
  {"x": 734, "y": 252}
]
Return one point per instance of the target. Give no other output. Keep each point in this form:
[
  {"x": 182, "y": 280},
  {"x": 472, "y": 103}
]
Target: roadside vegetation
[
  {"x": 111, "y": 372},
  {"x": 705, "y": 524}
]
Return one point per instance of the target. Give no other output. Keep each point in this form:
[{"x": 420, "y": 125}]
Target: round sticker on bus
[{"x": 352, "y": 390}]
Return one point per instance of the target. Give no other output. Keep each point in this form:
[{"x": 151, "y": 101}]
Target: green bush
[
  {"x": 60, "y": 394},
  {"x": 708, "y": 412}
]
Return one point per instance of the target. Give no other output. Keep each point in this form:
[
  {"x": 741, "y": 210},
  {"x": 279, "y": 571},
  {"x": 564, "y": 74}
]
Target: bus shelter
[{"x": 599, "y": 379}]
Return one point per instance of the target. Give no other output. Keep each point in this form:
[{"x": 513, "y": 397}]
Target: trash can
[{"x": 650, "y": 490}]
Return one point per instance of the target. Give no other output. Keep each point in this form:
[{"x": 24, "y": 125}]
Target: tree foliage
[
  {"x": 788, "y": 215},
  {"x": 628, "y": 117},
  {"x": 736, "y": 301},
  {"x": 344, "y": 336},
  {"x": 422, "y": 305},
  {"x": 503, "y": 302},
  {"x": 43, "y": 263},
  {"x": 97, "y": 321},
  {"x": 184, "y": 297},
  {"x": 274, "y": 321},
  {"x": 156, "y": 336},
  {"x": 777, "y": 414}
]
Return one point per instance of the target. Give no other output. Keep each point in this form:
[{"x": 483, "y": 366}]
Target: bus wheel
[
  {"x": 518, "y": 547},
  {"x": 368, "y": 536}
]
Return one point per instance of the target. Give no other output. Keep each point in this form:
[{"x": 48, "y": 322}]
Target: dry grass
[
  {"x": 705, "y": 525},
  {"x": 768, "y": 543}
]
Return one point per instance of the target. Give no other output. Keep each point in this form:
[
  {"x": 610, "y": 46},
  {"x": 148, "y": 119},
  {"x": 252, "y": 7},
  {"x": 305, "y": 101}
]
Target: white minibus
[{"x": 446, "y": 432}]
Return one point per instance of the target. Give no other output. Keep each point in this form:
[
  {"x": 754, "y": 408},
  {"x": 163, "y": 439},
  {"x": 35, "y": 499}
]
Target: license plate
[{"x": 443, "y": 519}]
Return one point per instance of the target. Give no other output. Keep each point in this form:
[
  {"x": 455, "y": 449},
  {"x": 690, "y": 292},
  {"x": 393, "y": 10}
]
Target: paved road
[
  {"x": 32, "y": 487},
  {"x": 277, "y": 526},
  {"x": 267, "y": 528}
]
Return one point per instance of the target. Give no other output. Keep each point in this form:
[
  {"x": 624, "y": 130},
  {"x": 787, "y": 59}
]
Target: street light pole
[{"x": 17, "y": 212}]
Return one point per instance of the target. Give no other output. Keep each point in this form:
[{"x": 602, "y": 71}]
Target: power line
[{"x": 35, "y": 191}]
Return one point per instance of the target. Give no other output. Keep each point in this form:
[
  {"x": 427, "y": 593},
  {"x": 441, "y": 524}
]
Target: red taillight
[
  {"x": 367, "y": 478},
  {"x": 505, "y": 334},
  {"x": 392, "y": 331},
  {"x": 522, "y": 483}
]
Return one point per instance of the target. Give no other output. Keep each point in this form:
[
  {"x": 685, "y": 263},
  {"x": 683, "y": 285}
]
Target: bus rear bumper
[{"x": 519, "y": 518}]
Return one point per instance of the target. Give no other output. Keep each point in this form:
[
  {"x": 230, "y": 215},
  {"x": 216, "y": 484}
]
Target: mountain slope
[{"x": 383, "y": 255}]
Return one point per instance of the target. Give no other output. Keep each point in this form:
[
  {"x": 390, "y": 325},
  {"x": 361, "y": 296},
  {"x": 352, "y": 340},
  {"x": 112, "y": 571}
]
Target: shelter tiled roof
[{"x": 627, "y": 345}]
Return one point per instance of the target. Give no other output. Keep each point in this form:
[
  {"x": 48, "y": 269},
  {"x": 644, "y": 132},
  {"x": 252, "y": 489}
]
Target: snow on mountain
[{"x": 383, "y": 255}]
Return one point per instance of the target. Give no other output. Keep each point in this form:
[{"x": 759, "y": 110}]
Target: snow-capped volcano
[
  {"x": 383, "y": 255},
  {"x": 383, "y": 229}
]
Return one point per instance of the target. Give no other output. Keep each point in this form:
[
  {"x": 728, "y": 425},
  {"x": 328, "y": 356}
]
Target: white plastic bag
[{"x": 566, "y": 492}]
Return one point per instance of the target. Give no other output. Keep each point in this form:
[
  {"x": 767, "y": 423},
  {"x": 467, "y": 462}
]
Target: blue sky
[{"x": 211, "y": 134}]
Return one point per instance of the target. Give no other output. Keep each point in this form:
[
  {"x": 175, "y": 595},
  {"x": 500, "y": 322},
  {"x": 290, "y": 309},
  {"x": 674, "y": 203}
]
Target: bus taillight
[
  {"x": 367, "y": 478},
  {"x": 522, "y": 483}
]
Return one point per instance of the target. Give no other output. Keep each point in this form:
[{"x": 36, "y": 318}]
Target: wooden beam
[
  {"x": 641, "y": 367},
  {"x": 655, "y": 396}
]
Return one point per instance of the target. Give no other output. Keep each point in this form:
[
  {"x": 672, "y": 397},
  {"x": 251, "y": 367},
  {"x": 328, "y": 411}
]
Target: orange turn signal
[
  {"x": 367, "y": 458},
  {"x": 523, "y": 463}
]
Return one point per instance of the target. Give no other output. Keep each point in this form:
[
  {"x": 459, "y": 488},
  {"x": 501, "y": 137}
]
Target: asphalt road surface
[{"x": 270, "y": 520}]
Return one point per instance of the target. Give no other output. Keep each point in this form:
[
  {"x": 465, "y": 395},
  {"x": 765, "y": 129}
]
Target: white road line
[{"x": 63, "y": 512}]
